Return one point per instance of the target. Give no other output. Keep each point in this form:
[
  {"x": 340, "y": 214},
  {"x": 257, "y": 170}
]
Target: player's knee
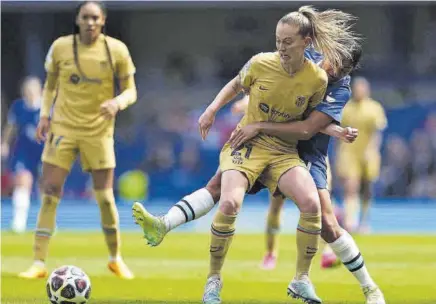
[
  {"x": 310, "y": 203},
  {"x": 366, "y": 191},
  {"x": 229, "y": 206},
  {"x": 52, "y": 188},
  {"x": 330, "y": 230},
  {"x": 24, "y": 179}
]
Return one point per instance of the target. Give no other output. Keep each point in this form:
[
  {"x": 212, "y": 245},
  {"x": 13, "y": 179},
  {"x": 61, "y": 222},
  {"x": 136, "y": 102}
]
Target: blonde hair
[{"x": 331, "y": 32}]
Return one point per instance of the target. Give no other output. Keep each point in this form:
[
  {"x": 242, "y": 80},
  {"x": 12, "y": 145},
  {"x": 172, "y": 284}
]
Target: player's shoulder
[
  {"x": 63, "y": 41},
  {"x": 17, "y": 106},
  {"x": 316, "y": 73},
  {"x": 373, "y": 105},
  {"x": 265, "y": 58},
  {"x": 116, "y": 45}
]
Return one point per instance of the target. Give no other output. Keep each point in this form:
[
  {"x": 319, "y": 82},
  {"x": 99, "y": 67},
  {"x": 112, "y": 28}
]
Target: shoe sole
[
  {"x": 41, "y": 276},
  {"x": 294, "y": 295},
  {"x": 143, "y": 219},
  {"x": 118, "y": 275}
]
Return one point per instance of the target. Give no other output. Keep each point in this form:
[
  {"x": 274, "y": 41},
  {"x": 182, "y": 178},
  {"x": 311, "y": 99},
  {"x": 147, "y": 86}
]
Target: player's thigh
[
  {"x": 97, "y": 153},
  {"x": 60, "y": 151},
  {"x": 319, "y": 173},
  {"x": 329, "y": 174},
  {"x": 348, "y": 165},
  {"x": 214, "y": 185},
  {"x": 297, "y": 184},
  {"x": 53, "y": 179},
  {"x": 248, "y": 159},
  {"x": 23, "y": 178},
  {"x": 102, "y": 179},
  {"x": 234, "y": 184}
]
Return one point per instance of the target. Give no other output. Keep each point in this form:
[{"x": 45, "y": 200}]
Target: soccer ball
[{"x": 68, "y": 285}]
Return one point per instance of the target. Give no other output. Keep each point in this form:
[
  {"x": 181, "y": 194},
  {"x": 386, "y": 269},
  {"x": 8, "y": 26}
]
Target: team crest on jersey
[
  {"x": 74, "y": 78},
  {"x": 264, "y": 107},
  {"x": 300, "y": 101}
]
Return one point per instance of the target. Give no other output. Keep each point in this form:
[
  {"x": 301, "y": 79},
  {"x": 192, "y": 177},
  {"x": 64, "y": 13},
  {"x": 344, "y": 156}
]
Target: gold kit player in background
[
  {"x": 358, "y": 164},
  {"x": 81, "y": 72}
]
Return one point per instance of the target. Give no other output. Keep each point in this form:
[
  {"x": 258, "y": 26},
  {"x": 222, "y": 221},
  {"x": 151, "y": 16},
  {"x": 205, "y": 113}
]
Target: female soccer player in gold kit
[{"x": 77, "y": 118}]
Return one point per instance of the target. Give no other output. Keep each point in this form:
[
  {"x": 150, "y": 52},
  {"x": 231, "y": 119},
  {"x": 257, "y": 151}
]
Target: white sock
[
  {"x": 191, "y": 207},
  {"x": 347, "y": 250},
  {"x": 21, "y": 203},
  {"x": 115, "y": 258},
  {"x": 39, "y": 263},
  {"x": 327, "y": 249}
]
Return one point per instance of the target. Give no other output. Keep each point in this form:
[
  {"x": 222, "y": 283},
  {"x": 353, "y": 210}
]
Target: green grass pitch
[{"x": 403, "y": 266}]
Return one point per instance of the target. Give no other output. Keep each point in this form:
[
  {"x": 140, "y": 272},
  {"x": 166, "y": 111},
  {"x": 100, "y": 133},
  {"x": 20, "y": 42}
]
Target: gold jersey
[
  {"x": 369, "y": 117},
  {"x": 276, "y": 96},
  {"x": 80, "y": 92}
]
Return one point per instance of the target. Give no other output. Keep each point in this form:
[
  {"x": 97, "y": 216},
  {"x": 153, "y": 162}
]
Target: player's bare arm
[
  {"x": 301, "y": 130},
  {"x": 127, "y": 97},
  {"x": 48, "y": 96},
  {"x": 7, "y": 136},
  {"x": 227, "y": 93}
]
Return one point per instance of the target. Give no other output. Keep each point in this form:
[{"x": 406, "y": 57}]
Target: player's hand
[
  {"x": 109, "y": 109},
  {"x": 5, "y": 150},
  {"x": 205, "y": 122},
  {"x": 349, "y": 134},
  {"x": 242, "y": 135},
  {"x": 42, "y": 129}
]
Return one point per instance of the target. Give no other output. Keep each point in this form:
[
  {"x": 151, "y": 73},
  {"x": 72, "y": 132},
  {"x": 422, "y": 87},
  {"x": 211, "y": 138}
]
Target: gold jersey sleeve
[
  {"x": 276, "y": 96},
  {"x": 84, "y": 84}
]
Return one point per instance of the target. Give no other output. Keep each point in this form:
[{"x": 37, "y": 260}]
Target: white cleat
[
  {"x": 373, "y": 295},
  {"x": 212, "y": 290},
  {"x": 304, "y": 290}
]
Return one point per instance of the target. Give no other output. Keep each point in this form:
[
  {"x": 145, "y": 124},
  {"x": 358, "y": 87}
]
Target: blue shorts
[
  {"x": 21, "y": 161},
  {"x": 318, "y": 170}
]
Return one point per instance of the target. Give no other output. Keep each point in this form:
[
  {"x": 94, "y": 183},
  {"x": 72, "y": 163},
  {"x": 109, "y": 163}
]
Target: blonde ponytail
[{"x": 330, "y": 30}]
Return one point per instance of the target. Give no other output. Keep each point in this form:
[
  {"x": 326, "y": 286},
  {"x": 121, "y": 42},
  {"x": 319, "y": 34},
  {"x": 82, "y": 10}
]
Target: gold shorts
[
  {"x": 96, "y": 153},
  {"x": 254, "y": 160},
  {"x": 352, "y": 166}
]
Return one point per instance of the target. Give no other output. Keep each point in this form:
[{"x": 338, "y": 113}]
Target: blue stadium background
[{"x": 178, "y": 74}]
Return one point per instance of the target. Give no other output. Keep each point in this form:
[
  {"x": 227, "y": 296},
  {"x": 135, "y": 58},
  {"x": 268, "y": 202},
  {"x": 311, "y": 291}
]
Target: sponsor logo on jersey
[{"x": 264, "y": 107}]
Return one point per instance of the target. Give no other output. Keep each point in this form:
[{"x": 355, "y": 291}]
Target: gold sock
[
  {"x": 45, "y": 226},
  {"x": 222, "y": 231},
  {"x": 308, "y": 235},
  {"x": 109, "y": 220},
  {"x": 272, "y": 231}
]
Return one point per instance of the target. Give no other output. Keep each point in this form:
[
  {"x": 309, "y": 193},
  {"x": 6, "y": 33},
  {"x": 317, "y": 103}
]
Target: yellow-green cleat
[{"x": 153, "y": 227}]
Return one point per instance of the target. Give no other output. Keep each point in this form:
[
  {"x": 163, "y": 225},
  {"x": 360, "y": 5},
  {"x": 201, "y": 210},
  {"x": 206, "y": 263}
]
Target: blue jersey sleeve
[
  {"x": 334, "y": 102},
  {"x": 313, "y": 55}
]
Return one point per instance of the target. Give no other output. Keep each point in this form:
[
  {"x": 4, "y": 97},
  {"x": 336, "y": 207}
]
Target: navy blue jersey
[
  {"x": 337, "y": 95},
  {"x": 26, "y": 153}
]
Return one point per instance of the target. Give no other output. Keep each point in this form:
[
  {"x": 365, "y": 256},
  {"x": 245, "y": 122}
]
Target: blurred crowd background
[{"x": 181, "y": 65}]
